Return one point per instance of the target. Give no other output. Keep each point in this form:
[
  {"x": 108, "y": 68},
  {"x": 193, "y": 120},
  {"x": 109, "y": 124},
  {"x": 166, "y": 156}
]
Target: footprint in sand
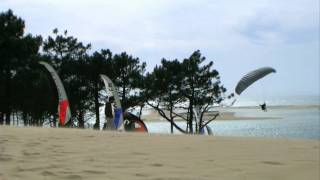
[
  {"x": 25, "y": 153},
  {"x": 5, "y": 159},
  {"x": 157, "y": 165},
  {"x": 89, "y": 136},
  {"x": 272, "y": 163},
  {"x": 139, "y": 153},
  {"x": 3, "y": 141},
  {"x": 74, "y": 177},
  {"x": 142, "y": 175},
  {"x": 48, "y": 173},
  {"x": 32, "y": 144},
  {"x": 94, "y": 172}
]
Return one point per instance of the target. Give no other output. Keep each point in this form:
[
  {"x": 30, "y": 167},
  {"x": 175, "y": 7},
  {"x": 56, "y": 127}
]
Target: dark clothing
[
  {"x": 108, "y": 110},
  {"x": 263, "y": 107},
  {"x": 129, "y": 125}
]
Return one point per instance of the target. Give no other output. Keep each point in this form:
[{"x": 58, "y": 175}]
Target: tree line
[{"x": 28, "y": 94}]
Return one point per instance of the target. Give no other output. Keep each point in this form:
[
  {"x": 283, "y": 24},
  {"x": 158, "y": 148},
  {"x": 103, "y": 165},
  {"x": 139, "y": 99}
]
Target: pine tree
[
  {"x": 16, "y": 52},
  {"x": 128, "y": 77}
]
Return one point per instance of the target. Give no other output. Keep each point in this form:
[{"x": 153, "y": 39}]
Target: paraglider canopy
[
  {"x": 64, "y": 106},
  {"x": 252, "y": 77},
  {"x": 134, "y": 123}
]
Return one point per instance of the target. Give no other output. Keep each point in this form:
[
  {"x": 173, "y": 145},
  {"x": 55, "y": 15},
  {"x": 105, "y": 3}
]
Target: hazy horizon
[{"x": 237, "y": 36}]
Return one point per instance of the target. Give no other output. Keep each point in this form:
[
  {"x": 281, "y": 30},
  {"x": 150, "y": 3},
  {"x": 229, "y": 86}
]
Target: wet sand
[{"x": 39, "y": 153}]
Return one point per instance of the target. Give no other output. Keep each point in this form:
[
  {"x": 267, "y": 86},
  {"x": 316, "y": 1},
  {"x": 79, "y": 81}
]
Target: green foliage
[
  {"x": 128, "y": 76},
  {"x": 33, "y": 95},
  {"x": 201, "y": 86},
  {"x": 16, "y": 54},
  {"x": 189, "y": 86},
  {"x": 63, "y": 47},
  {"x": 163, "y": 90}
]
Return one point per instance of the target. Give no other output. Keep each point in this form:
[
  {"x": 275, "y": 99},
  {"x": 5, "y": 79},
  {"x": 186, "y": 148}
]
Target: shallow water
[{"x": 289, "y": 123}]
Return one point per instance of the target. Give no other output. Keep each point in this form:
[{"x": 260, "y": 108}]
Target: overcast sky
[{"x": 239, "y": 36}]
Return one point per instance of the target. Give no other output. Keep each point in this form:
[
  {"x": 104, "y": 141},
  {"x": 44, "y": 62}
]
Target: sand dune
[{"x": 39, "y": 153}]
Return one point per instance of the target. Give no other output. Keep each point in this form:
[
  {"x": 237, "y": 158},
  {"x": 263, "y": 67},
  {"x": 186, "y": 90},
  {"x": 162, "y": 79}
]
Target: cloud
[
  {"x": 140, "y": 24},
  {"x": 289, "y": 22}
]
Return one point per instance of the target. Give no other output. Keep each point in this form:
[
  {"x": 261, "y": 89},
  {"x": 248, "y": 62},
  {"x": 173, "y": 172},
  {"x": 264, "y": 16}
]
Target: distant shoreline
[
  {"x": 276, "y": 107},
  {"x": 227, "y": 113}
]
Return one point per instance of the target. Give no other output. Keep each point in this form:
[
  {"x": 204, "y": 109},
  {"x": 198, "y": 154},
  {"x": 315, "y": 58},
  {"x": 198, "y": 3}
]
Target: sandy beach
[{"x": 41, "y": 153}]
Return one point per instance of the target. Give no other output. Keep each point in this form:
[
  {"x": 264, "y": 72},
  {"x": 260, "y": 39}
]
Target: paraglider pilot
[{"x": 263, "y": 107}]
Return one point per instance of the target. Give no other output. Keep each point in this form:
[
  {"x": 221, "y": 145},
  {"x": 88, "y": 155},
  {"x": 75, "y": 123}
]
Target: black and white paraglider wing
[{"x": 252, "y": 77}]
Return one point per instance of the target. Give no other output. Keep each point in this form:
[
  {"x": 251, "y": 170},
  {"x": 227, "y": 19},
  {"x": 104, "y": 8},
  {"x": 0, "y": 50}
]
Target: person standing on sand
[{"x": 109, "y": 114}]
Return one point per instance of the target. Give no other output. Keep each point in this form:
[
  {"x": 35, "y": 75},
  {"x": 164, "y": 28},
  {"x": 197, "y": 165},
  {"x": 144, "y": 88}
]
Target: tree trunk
[
  {"x": 81, "y": 119},
  {"x": 33, "y": 122},
  {"x": 13, "y": 119},
  {"x": 18, "y": 119},
  {"x": 171, "y": 118},
  {"x": 8, "y": 100},
  {"x": 201, "y": 121},
  {"x": 24, "y": 118},
  {"x": 124, "y": 103},
  {"x": 8, "y": 115},
  {"x": 96, "y": 104},
  {"x": 190, "y": 117},
  {"x": 191, "y": 109},
  {"x": 140, "y": 112},
  {"x": 1, "y": 118},
  {"x": 54, "y": 121},
  {"x": 171, "y": 127}
]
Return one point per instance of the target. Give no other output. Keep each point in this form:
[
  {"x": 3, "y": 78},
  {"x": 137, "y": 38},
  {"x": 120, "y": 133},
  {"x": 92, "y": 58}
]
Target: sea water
[
  {"x": 298, "y": 122},
  {"x": 287, "y": 123}
]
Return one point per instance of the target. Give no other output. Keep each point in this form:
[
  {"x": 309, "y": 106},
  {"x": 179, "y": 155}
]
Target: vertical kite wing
[
  {"x": 63, "y": 106},
  {"x": 118, "y": 116}
]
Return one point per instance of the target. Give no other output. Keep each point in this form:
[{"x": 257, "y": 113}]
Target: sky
[{"x": 238, "y": 36}]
